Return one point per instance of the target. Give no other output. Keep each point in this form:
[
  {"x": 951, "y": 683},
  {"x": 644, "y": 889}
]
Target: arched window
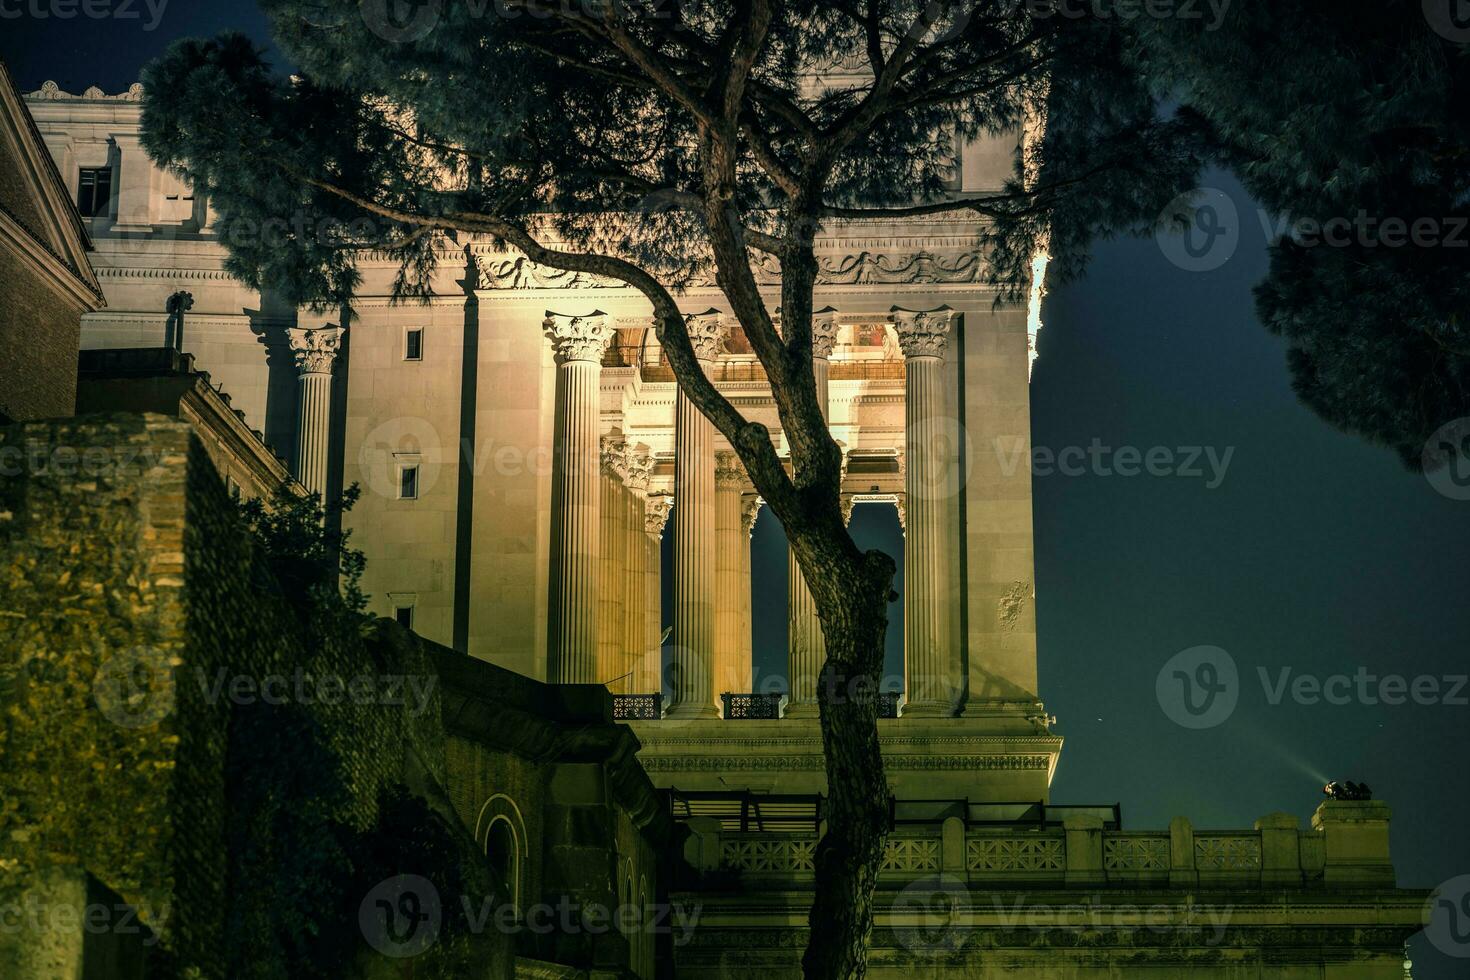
[{"x": 502, "y": 832}]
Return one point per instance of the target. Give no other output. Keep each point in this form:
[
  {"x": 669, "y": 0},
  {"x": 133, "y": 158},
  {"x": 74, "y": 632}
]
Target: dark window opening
[
  {"x": 403, "y": 615},
  {"x": 94, "y": 191},
  {"x": 413, "y": 349},
  {"x": 408, "y": 483}
]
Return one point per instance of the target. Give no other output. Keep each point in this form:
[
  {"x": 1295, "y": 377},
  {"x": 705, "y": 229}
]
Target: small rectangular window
[
  {"x": 94, "y": 191},
  {"x": 413, "y": 345},
  {"x": 408, "y": 482},
  {"x": 404, "y": 616}
]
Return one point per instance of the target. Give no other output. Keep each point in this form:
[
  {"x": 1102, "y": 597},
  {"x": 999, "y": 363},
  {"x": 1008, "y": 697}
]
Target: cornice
[{"x": 51, "y": 92}]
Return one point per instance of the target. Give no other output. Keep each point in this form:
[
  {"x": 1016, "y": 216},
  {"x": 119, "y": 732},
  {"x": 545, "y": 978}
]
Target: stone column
[
  {"x": 807, "y": 649},
  {"x": 750, "y": 508},
  {"x": 571, "y": 651},
  {"x": 932, "y": 676},
  {"x": 649, "y": 677},
  {"x": 316, "y": 352},
  {"x": 635, "y": 542},
  {"x": 732, "y": 671},
  {"x": 612, "y": 563},
  {"x": 694, "y": 538}
]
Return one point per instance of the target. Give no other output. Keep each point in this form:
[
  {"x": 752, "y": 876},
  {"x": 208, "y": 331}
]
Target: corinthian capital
[
  {"x": 824, "y": 332},
  {"x": 923, "y": 333},
  {"x": 729, "y": 471},
  {"x": 614, "y": 453},
  {"x": 640, "y": 464},
  {"x": 315, "y": 350},
  {"x": 579, "y": 338},
  {"x": 750, "y": 509},
  {"x": 656, "y": 513},
  {"x": 706, "y": 333}
]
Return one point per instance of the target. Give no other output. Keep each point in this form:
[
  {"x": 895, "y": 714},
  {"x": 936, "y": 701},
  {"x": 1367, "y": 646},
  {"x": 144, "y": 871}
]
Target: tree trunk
[{"x": 848, "y": 856}]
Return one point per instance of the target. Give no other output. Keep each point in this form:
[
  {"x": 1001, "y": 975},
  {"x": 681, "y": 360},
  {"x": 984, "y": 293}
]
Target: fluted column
[
  {"x": 612, "y": 564},
  {"x": 931, "y": 668},
  {"x": 807, "y": 649},
  {"x": 729, "y": 482},
  {"x": 694, "y": 538},
  {"x": 750, "y": 508},
  {"x": 316, "y": 352},
  {"x": 576, "y": 504},
  {"x": 648, "y": 679},
  {"x": 635, "y": 544}
]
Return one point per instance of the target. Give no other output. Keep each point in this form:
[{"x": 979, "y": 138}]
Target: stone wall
[
  {"x": 39, "y": 331},
  {"x": 266, "y": 783}
]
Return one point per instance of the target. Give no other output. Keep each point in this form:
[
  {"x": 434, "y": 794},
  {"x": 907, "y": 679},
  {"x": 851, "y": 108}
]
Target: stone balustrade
[{"x": 1347, "y": 845}]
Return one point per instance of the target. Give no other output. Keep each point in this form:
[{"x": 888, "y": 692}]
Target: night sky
[{"x": 1316, "y": 552}]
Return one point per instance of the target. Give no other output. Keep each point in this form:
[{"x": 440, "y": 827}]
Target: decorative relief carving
[
  {"x": 579, "y": 338},
  {"x": 315, "y": 350},
  {"x": 50, "y": 91},
  {"x": 923, "y": 333},
  {"x": 910, "y": 854},
  {"x": 854, "y": 268},
  {"x": 1030, "y": 853},
  {"x": 1222, "y": 853},
  {"x": 1136, "y": 853},
  {"x": 794, "y": 855},
  {"x": 814, "y": 762}
]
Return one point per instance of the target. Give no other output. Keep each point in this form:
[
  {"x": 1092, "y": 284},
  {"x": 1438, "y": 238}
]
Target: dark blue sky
[{"x": 1316, "y": 552}]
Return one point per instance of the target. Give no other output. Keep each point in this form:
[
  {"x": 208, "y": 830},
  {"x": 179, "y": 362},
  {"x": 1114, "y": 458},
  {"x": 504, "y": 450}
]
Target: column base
[
  {"x": 928, "y": 709},
  {"x": 687, "y": 711}
]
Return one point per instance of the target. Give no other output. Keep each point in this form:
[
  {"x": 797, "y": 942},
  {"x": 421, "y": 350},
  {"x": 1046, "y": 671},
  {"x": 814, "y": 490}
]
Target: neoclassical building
[{"x": 523, "y": 450}]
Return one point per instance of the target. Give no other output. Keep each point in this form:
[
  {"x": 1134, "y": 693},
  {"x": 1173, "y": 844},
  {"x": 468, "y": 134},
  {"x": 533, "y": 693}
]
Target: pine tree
[{"x": 659, "y": 139}]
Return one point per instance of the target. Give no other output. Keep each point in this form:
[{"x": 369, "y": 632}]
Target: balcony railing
[
  {"x": 752, "y": 707},
  {"x": 637, "y": 707}
]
